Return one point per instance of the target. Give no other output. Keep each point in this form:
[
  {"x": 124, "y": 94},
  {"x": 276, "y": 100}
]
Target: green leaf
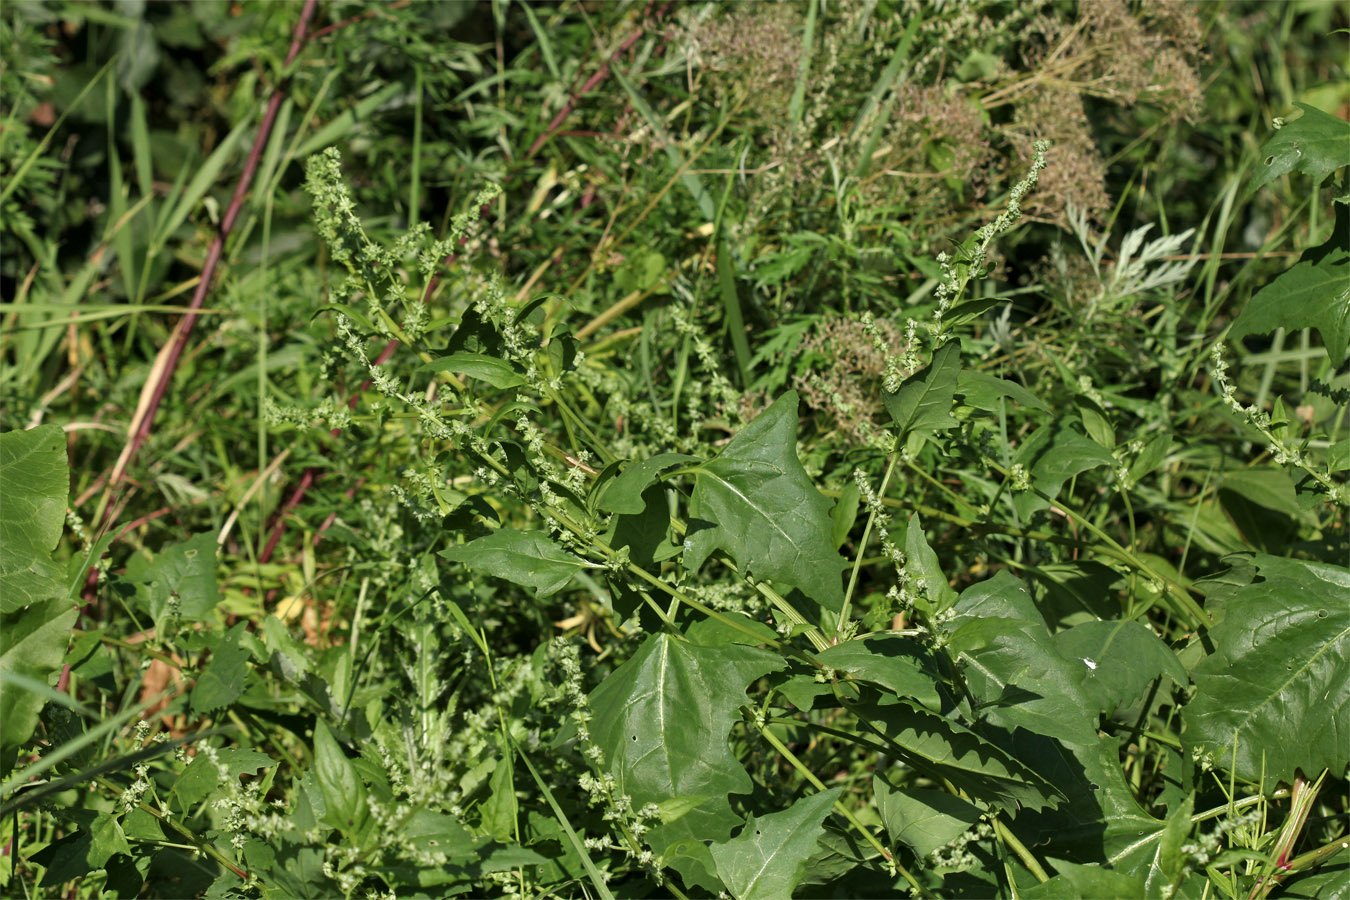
[
  {"x": 1053, "y": 454},
  {"x": 222, "y": 681},
  {"x": 32, "y": 643},
  {"x": 182, "y": 575},
  {"x": 1031, "y": 697},
  {"x": 944, "y": 748},
  {"x": 765, "y": 511},
  {"x": 845, "y": 513},
  {"x": 1076, "y": 881},
  {"x": 34, "y": 485},
  {"x": 624, "y": 493},
  {"x": 433, "y": 833},
  {"x": 924, "y": 400},
  {"x": 767, "y": 859},
  {"x": 1315, "y": 143},
  {"x": 1278, "y": 682},
  {"x": 923, "y": 819},
  {"x": 898, "y": 664},
  {"x": 344, "y": 794},
  {"x": 663, "y": 716},
  {"x": 528, "y": 558},
  {"x": 1167, "y": 866},
  {"x": 500, "y": 809},
  {"x": 984, "y": 391},
  {"x": 937, "y": 595},
  {"x": 1314, "y": 293},
  {"x": 496, "y": 372},
  {"x": 1121, "y": 659}
]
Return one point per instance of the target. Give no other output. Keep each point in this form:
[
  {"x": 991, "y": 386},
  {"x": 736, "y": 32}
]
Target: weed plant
[{"x": 692, "y": 450}]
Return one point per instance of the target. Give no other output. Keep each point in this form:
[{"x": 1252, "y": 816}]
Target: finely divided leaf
[
  {"x": 767, "y": 859},
  {"x": 663, "y": 716},
  {"x": 34, "y": 485},
  {"x": 1279, "y": 677},
  {"x": 529, "y": 558},
  {"x": 765, "y": 511}
]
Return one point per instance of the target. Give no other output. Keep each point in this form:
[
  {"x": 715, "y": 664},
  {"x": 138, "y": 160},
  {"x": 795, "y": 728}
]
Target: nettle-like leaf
[
  {"x": 1315, "y": 144},
  {"x": 34, "y": 485},
  {"x": 1314, "y": 293},
  {"x": 768, "y": 858},
  {"x": 663, "y": 716},
  {"x": 943, "y": 748},
  {"x": 765, "y": 511},
  {"x": 1275, "y": 694},
  {"x": 528, "y": 558}
]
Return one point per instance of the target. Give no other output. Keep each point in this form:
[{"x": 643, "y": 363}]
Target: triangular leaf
[
  {"x": 767, "y": 859},
  {"x": 765, "y": 511},
  {"x": 924, "y": 400},
  {"x": 1314, "y": 293},
  {"x": 662, "y": 718},
  {"x": 1315, "y": 143},
  {"x": 1280, "y": 667}
]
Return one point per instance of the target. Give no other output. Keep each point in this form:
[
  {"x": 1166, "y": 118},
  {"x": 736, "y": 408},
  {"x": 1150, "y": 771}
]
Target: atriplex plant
[{"x": 949, "y": 657}]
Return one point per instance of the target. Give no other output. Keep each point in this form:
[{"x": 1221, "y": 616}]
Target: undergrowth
[{"x": 686, "y": 450}]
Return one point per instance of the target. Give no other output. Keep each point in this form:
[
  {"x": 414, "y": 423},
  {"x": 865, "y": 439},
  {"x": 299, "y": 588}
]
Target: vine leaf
[
  {"x": 663, "y": 716},
  {"x": 768, "y": 858},
  {"x": 1313, "y": 293},
  {"x": 528, "y": 558},
  {"x": 1280, "y": 667},
  {"x": 765, "y": 511}
]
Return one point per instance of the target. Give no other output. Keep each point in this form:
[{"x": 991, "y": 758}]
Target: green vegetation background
[{"x": 612, "y": 232}]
